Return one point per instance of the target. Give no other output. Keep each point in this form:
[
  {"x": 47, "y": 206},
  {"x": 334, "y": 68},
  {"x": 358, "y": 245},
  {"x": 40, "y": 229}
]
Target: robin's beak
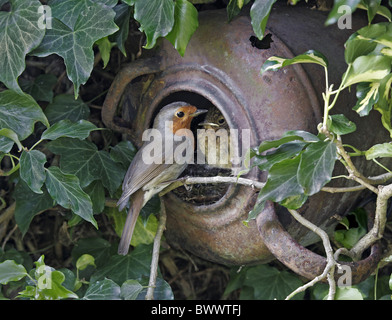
[
  {"x": 211, "y": 124},
  {"x": 198, "y": 112}
]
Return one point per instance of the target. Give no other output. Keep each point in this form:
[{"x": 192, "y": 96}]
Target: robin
[
  {"x": 216, "y": 121},
  {"x": 144, "y": 178}
]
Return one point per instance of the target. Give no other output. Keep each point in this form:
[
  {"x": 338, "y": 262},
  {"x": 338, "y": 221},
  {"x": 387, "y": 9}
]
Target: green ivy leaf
[
  {"x": 19, "y": 34},
  {"x": 156, "y": 18},
  {"x": 130, "y": 289},
  {"x": 340, "y": 125},
  {"x": 11, "y": 137},
  {"x": 383, "y": 105},
  {"x": 10, "y": 271},
  {"x": 28, "y": 204},
  {"x": 144, "y": 233},
  {"x": 123, "y": 152},
  {"x": 32, "y": 169},
  {"x": 356, "y": 46},
  {"x": 316, "y": 166},
  {"x": 162, "y": 290},
  {"x": 311, "y": 56},
  {"x": 234, "y": 8},
  {"x": 66, "y": 128},
  {"x": 269, "y": 283},
  {"x": 123, "y": 15},
  {"x": 97, "y": 195},
  {"x": 349, "y": 237},
  {"x": 76, "y": 26},
  {"x": 368, "y": 95},
  {"x": 40, "y": 88},
  {"x": 185, "y": 24},
  {"x": 84, "y": 261},
  {"x": 289, "y": 136},
  {"x": 383, "y": 150},
  {"x": 87, "y": 163},
  {"x": 372, "y": 7},
  {"x": 103, "y": 290},
  {"x": 64, "y": 106},
  {"x": 285, "y": 151},
  {"x": 19, "y": 112},
  {"x": 282, "y": 181},
  {"x": 99, "y": 248},
  {"x": 65, "y": 189},
  {"x": 122, "y": 268},
  {"x": 367, "y": 69},
  {"x": 259, "y": 13},
  {"x": 348, "y": 293}
]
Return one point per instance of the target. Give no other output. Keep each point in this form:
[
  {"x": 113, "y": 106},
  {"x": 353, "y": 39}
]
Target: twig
[
  {"x": 217, "y": 179},
  {"x": 377, "y": 231},
  {"x": 329, "y": 269},
  {"x": 155, "y": 252}
]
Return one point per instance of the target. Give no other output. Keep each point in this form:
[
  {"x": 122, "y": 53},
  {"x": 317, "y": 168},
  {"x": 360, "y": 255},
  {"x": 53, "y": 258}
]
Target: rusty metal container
[{"x": 221, "y": 69}]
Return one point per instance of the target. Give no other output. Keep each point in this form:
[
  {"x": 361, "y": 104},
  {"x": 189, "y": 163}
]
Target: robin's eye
[
  {"x": 221, "y": 121},
  {"x": 180, "y": 114}
]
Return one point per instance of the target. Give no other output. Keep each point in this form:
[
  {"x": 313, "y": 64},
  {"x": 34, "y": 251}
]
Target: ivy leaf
[
  {"x": 64, "y": 106},
  {"x": 367, "y": 69},
  {"x": 87, "y": 163},
  {"x": 144, "y": 233},
  {"x": 29, "y": 204},
  {"x": 156, "y": 18},
  {"x": 269, "y": 283},
  {"x": 316, "y": 166},
  {"x": 122, "y": 268},
  {"x": 283, "y": 152},
  {"x": 76, "y": 26},
  {"x": 383, "y": 150},
  {"x": 368, "y": 95},
  {"x": 97, "y": 195},
  {"x": 123, "y": 153},
  {"x": 65, "y": 189},
  {"x": 259, "y": 13},
  {"x": 282, "y": 181},
  {"x": 130, "y": 289},
  {"x": 123, "y": 15},
  {"x": 99, "y": 248},
  {"x": 185, "y": 24},
  {"x": 340, "y": 125},
  {"x": 9, "y": 137},
  {"x": 311, "y": 56},
  {"x": 383, "y": 105},
  {"x": 41, "y": 88},
  {"x": 66, "y": 128},
  {"x": 162, "y": 290},
  {"x": 10, "y": 271},
  {"x": 361, "y": 42},
  {"x": 19, "y": 34},
  {"x": 103, "y": 290},
  {"x": 19, "y": 112},
  {"x": 372, "y": 7},
  {"x": 32, "y": 169},
  {"x": 234, "y": 8}
]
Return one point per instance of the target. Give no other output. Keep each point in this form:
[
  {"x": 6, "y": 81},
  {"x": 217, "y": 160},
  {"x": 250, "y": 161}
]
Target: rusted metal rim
[
  {"x": 301, "y": 260},
  {"x": 124, "y": 77}
]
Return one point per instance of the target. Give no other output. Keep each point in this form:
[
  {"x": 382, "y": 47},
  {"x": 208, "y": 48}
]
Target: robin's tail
[{"x": 134, "y": 210}]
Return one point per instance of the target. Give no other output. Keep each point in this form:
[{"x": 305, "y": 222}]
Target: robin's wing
[{"x": 138, "y": 175}]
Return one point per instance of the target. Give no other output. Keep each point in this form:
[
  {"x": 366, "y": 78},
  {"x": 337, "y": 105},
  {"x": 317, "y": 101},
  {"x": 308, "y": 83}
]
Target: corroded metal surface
[{"x": 221, "y": 68}]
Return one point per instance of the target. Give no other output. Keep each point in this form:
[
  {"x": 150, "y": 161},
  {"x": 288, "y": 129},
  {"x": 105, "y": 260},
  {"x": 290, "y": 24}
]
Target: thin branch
[
  {"x": 377, "y": 231},
  {"x": 329, "y": 269},
  {"x": 155, "y": 252}
]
